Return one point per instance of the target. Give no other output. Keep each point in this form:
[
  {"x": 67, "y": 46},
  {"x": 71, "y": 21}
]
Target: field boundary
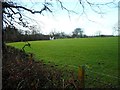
[
  {"x": 97, "y": 77},
  {"x": 94, "y": 71}
]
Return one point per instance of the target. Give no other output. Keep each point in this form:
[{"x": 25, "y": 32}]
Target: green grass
[{"x": 75, "y": 52}]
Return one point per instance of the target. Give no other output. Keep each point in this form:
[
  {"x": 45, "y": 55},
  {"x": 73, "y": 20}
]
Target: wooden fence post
[{"x": 81, "y": 73}]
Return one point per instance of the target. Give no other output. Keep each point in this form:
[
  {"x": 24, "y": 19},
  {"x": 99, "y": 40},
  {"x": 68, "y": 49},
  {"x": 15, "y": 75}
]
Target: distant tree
[
  {"x": 78, "y": 32},
  {"x": 34, "y": 29},
  {"x": 116, "y": 29},
  {"x": 85, "y": 36},
  {"x": 53, "y": 33},
  {"x": 11, "y": 34},
  {"x": 62, "y": 35},
  {"x": 26, "y": 32},
  {"x": 57, "y": 35},
  {"x": 98, "y": 33}
]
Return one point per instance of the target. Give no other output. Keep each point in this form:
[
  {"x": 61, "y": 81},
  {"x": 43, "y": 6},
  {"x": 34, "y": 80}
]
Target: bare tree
[
  {"x": 98, "y": 33},
  {"x": 116, "y": 29},
  {"x": 12, "y": 9},
  {"x": 78, "y": 32}
]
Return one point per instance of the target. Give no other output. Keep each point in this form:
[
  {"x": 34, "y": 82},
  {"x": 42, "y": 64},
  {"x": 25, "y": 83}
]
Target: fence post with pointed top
[{"x": 81, "y": 74}]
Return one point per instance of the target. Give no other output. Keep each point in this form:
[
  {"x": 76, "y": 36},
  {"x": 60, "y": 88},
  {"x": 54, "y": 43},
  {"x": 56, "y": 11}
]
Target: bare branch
[
  {"x": 64, "y": 8},
  {"x": 6, "y": 5},
  {"x": 9, "y": 9},
  {"x": 83, "y": 8}
]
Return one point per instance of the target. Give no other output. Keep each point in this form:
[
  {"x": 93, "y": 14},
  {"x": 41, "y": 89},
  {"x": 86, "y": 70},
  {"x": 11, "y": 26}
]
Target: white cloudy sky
[{"x": 59, "y": 20}]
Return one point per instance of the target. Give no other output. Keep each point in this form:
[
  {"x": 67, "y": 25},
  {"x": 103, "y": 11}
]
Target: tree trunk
[{"x": 1, "y": 25}]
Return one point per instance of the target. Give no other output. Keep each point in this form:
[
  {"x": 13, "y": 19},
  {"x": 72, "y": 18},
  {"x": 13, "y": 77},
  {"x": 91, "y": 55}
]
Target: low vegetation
[{"x": 20, "y": 71}]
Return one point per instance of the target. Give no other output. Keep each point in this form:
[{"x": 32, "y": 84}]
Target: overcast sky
[{"x": 60, "y": 20}]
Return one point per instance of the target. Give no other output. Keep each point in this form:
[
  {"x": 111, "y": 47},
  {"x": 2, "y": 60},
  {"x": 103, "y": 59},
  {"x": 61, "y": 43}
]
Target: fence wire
[{"x": 95, "y": 79}]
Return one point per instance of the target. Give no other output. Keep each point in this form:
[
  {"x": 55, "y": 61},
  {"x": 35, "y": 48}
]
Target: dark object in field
[
  {"x": 27, "y": 44},
  {"x": 100, "y": 63}
]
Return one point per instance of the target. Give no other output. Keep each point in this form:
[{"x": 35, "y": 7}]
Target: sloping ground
[{"x": 20, "y": 71}]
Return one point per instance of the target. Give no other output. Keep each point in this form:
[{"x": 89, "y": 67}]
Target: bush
[{"x": 21, "y": 71}]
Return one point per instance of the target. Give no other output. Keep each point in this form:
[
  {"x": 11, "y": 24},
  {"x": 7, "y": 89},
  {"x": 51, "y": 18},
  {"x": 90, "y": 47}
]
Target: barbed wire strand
[{"x": 95, "y": 71}]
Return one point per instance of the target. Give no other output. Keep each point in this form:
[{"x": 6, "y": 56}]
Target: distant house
[{"x": 52, "y": 38}]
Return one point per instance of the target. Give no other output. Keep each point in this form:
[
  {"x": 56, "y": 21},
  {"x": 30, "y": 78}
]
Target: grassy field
[{"x": 99, "y": 54}]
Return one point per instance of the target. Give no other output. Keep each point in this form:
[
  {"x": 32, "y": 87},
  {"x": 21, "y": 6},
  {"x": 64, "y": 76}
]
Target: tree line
[{"x": 12, "y": 34}]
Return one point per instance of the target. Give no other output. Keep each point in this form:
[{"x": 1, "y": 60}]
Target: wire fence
[{"x": 94, "y": 79}]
